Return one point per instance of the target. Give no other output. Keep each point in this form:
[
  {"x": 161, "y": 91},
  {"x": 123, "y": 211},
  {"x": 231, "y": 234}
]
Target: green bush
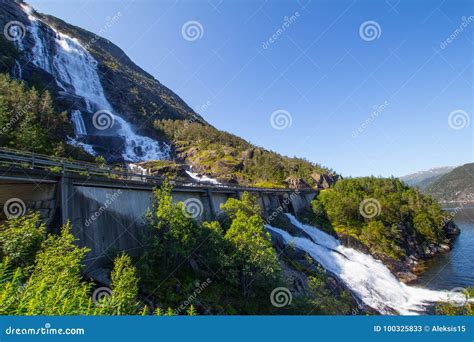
[
  {"x": 248, "y": 204},
  {"x": 53, "y": 284},
  {"x": 241, "y": 265}
]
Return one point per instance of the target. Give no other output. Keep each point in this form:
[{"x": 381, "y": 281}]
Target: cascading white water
[
  {"x": 202, "y": 178},
  {"x": 73, "y": 65},
  {"x": 79, "y": 126},
  {"x": 368, "y": 279},
  {"x": 40, "y": 56},
  {"x": 137, "y": 170},
  {"x": 88, "y": 148}
]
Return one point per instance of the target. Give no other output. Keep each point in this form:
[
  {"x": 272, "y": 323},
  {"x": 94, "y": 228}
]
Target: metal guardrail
[{"x": 57, "y": 165}]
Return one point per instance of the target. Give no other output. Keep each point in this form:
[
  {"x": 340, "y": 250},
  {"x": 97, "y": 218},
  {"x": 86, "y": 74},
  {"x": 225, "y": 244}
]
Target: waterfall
[
  {"x": 75, "y": 70},
  {"x": 202, "y": 178},
  {"x": 88, "y": 148},
  {"x": 39, "y": 54},
  {"x": 367, "y": 278},
  {"x": 79, "y": 126},
  {"x": 137, "y": 169}
]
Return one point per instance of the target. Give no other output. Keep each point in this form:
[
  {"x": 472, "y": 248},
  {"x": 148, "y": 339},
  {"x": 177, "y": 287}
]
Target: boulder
[
  {"x": 451, "y": 229},
  {"x": 324, "y": 181},
  {"x": 297, "y": 183}
]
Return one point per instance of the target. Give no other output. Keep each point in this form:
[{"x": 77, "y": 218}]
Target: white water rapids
[
  {"x": 75, "y": 71},
  {"x": 202, "y": 178},
  {"x": 368, "y": 279}
]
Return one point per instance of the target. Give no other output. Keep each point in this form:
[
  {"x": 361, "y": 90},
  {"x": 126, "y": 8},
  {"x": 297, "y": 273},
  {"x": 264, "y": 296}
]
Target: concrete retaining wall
[{"x": 33, "y": 197}]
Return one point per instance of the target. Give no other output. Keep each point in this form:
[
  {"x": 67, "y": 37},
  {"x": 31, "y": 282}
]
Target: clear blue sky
[{"x": 319, "y": 69}]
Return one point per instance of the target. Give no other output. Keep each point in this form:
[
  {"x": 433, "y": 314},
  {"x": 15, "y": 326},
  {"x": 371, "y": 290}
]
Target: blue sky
[{"x": 391, "y": 103}]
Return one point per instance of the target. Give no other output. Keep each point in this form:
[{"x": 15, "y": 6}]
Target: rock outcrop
[{"x": 324, "y": 181}]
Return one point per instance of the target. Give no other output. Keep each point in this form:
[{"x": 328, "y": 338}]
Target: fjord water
[
  {"x": 454, "y": 269},
  {"x": 367, "y": 278}
]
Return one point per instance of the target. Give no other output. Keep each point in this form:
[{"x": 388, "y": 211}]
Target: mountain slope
[
  {"x": 456, "y": 186},
  {"x": 89, "y": 79},
  {"x": 422, "y": 179}
]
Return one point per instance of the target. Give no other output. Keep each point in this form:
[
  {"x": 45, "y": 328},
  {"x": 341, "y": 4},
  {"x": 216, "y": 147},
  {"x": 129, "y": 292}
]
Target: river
[{"x": 454, "y": 269}]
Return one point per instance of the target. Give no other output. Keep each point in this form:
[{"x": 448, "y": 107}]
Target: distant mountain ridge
[
  {"x": 455, "y": 186},
  {"x": 422, "y": 179}
]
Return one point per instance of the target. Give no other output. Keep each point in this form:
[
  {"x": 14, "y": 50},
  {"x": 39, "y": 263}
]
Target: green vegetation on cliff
[
  {"x": 385, "y": 215},
  {"x": 27, "y": 118},
  {"x": 29, "y": 122},
  {"x": 232, "y": 159}
]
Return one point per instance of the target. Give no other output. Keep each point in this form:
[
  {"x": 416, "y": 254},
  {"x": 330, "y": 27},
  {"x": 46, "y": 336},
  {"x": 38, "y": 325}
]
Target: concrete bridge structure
[{"x": 107, "y": 209}]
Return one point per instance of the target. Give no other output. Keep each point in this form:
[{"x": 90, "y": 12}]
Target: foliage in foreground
[
  {"x": 194, "y": 267},
  {"x": 394, "y": 212},
  {"x": 44, "y": 276},
  {"x": 184, "y": 256}
]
